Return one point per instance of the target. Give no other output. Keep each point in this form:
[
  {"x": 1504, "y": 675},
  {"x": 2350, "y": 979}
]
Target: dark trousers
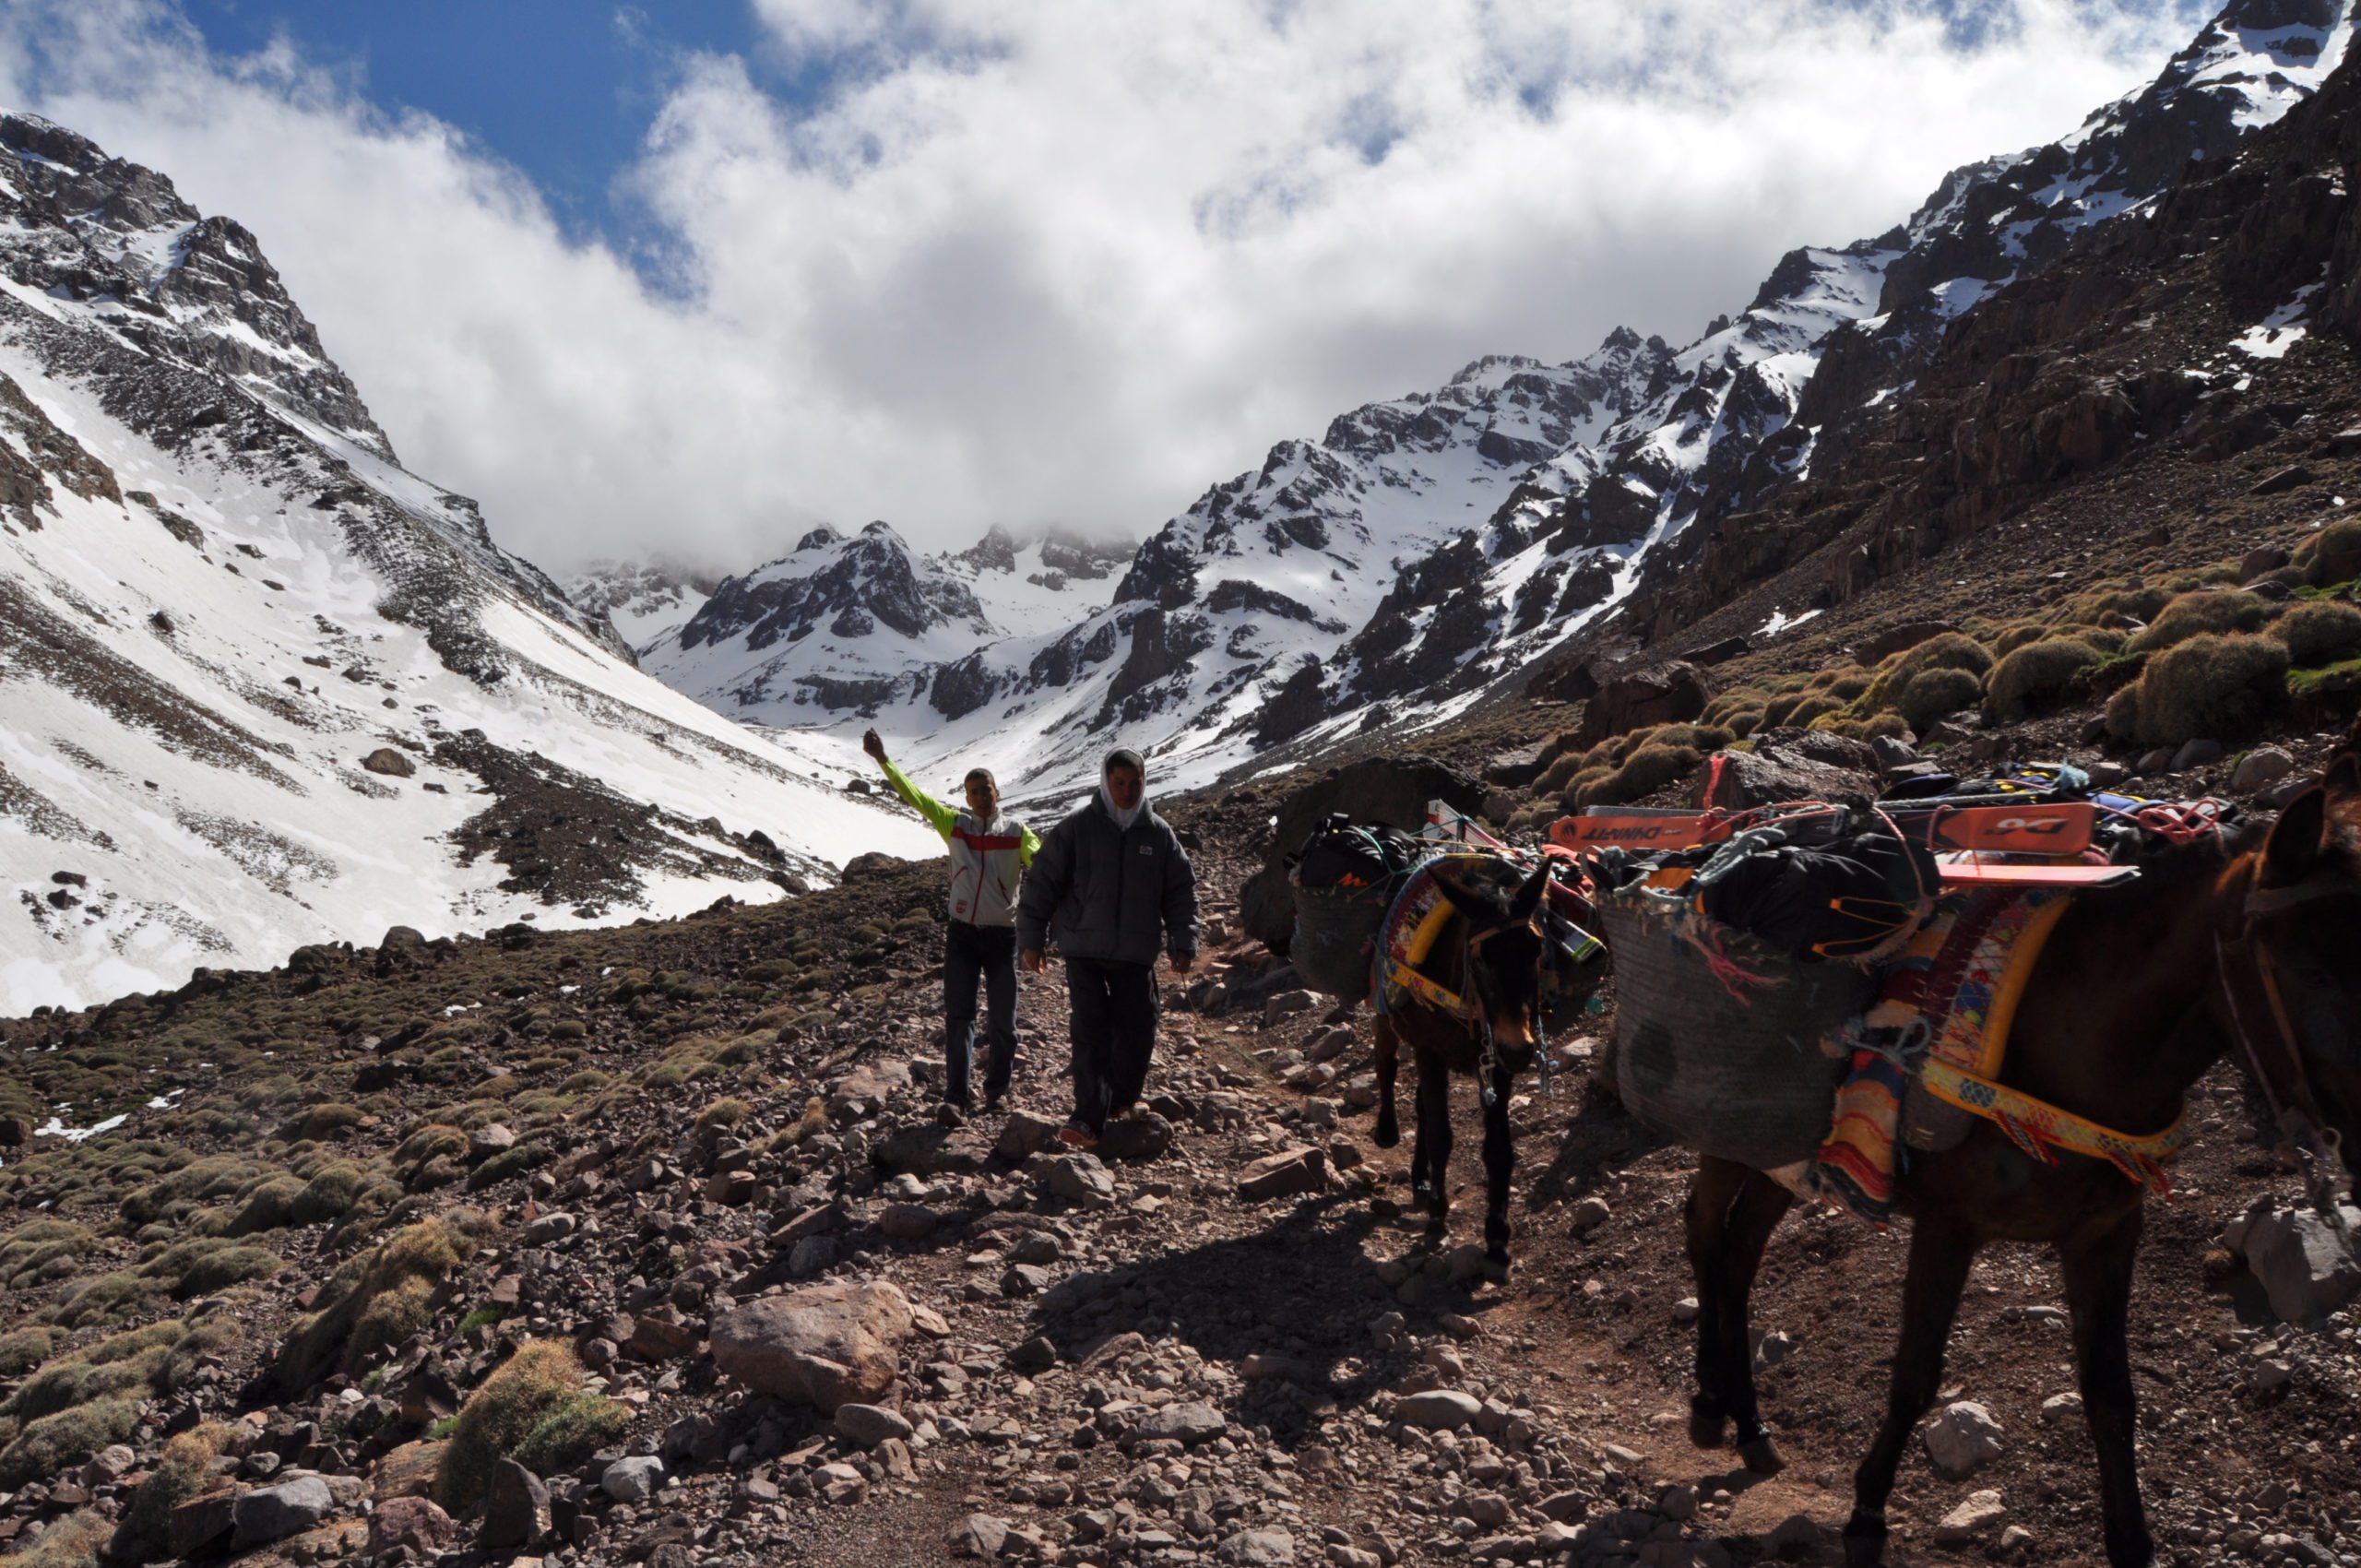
[
  {"x": 1114, "y": 1033},
  {"x": 973, "y": 953}
]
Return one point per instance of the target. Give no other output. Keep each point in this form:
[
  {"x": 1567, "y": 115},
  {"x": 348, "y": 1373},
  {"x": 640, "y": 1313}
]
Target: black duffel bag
[{"x": 1345, "y": 877}]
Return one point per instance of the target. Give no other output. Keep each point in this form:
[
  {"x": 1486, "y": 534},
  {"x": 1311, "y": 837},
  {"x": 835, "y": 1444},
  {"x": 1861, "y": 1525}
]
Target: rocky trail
[{"x": 778, "y": 1310}]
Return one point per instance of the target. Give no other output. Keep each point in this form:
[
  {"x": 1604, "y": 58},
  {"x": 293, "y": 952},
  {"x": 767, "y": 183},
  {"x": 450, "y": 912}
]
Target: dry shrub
[
  {"x": 2209, "y": 686},
  {"x": 2201, "y": 612},
  {"x": 1950, "y": 650},
  {"x": 74, "y": 1542},
  {"x": 69, "y": 1437},
  {"x": 373, "y": 1301},
  {"x": 1650, "y": 769},
  {"x": 184, "y": 1470},
  {"x": 2034, "y": 675},
  {"x": 42, "y": 1251},
  {"x": 535, "y": 1410},
  {"x": 2321, "y": 632},
  {"x": 23, "y": 1349},
  {"x": 2329, "y": 553},
  {"x": 1930, "y": 694}
]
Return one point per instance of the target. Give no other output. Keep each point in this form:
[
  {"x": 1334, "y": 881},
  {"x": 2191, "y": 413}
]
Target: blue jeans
[{"x": 973, "y": 953}]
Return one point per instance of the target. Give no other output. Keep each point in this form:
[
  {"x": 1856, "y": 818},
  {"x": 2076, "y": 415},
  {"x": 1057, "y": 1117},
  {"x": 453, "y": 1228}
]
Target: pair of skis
[{"x": 1959, "y": 836}]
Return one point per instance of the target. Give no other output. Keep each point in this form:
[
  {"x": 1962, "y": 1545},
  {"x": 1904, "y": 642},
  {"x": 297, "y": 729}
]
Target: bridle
[
  {"x": 1481, "y": 1015},
  {"x": 2295, "y": 1105}
]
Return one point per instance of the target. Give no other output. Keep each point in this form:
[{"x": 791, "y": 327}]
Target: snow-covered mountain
[
  {"x": 1426, "y": 546},
  {"x": 259, "y": 686},
  {"x": 849, "y": 626},
  {"x": 644, "y": 601}
]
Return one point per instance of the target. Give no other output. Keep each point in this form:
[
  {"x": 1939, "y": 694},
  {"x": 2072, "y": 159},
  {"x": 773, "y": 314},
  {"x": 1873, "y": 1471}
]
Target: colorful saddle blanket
[{"x": 1940, "y": 1027}]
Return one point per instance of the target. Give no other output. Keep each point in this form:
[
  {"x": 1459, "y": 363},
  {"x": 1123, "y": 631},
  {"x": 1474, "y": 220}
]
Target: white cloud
[{"x": 1058, "y": 260}]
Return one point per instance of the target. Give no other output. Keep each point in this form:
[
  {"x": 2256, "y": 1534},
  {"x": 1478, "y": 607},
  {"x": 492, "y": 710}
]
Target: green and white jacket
[{"x": 987, "y": 857}]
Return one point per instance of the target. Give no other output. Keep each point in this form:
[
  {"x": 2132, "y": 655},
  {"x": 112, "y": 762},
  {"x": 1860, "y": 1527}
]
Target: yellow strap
[
  {"x": 1402, "y": 975},
  {"x": 2013, "y": 1109}
]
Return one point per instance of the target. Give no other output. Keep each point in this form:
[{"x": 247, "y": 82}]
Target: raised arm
[{"x": 938, "y": 816}]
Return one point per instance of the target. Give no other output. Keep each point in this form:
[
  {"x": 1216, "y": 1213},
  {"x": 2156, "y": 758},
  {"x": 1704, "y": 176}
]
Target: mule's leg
[
  {"x": 1434, "y": 1136},
  {"x": 2098, "y": 1289},
  {"x": 1499, "y": 1164},
  {"x": 1760, "y": 1205},
  {"x": 1940, "y": 1251},
  {"x": 1389, "y": 1053},
  {"x": 1711, "y": 1193}
]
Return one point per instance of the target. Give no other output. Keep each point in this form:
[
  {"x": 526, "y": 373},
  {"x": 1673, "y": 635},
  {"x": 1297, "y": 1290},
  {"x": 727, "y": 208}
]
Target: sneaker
[
  {"x": 993, "y": 1103},
  {"x": 1075, "y": 1133}
]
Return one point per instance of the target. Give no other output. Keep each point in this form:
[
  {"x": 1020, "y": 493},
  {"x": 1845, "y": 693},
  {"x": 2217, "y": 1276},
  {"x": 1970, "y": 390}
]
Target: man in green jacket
[{"x": 989, "y": 853}]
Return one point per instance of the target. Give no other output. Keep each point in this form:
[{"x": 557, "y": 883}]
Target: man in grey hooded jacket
[{"x": 1113, "y": 887}]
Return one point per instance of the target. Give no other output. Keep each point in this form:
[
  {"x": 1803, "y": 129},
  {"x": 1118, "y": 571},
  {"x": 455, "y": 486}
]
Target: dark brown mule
[
  {"x": 2243, "y": 946},
  {"x": 1491, "y": 957}
]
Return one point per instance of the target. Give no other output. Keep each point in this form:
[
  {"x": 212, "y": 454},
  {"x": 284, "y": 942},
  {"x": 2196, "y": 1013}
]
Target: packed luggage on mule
[
  {"x": 1345, "y": 877},
  {"x": 2009, "y": 1059}
]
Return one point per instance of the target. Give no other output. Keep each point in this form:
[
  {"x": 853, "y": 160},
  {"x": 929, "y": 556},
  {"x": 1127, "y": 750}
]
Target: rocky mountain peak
[{"x": 117, "y": 240}]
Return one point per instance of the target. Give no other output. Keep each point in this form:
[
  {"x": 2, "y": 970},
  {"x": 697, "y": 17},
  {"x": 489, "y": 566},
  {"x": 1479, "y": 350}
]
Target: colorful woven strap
[{"x": 2037, "y": 1127}]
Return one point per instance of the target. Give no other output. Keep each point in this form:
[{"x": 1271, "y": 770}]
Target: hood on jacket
[{"x": 1122, "y": 756}]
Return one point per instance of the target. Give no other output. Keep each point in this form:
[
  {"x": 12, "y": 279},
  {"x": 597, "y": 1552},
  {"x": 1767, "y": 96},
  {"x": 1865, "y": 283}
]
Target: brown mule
[
  {"x": 2243, "y": 945},
  {"x": 1491, "y": 957}
]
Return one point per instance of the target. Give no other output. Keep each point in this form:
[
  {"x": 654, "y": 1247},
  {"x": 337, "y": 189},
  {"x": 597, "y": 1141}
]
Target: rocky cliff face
[
  {"x": 261, "y": 686},
  {"x": 2200, "y": 339}
]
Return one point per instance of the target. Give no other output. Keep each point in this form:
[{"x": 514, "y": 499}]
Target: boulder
[
  {"x": 1143, "y": 1136},
  {"x": 1024, "y": 1134},
  {"x": 1391, "y": 790},
  {"x": 1299, "y": 1169},
  {"x": 1972, "y": 1520},
  {"x": 1080, "y": 1179},
  {"x": 392, "y": 764},
  {"x": 1663, "y": 694},
  {"x": 1256, "y": 1549},
  {"x": 2261, "y": 768},
  {"x": 979, "y": 1535},
  {"x": 204, "y": 1523},
  {"x": 274, "y": 1513},
  {"x": 866, "y": 1426},
  {"x": 824, "y": 1346},
  {"x": 515, "y": 1508},
  {"x": 1783, "y": 767},
  {"x": 1190, "y": 1421},
  {"x": 632, "y": 1478},
  {"x": 1963, "y": 1439},
  {"x": 2199, "y": 753},
  {"x": 1438, "y": 1409},
  {"x": 487, "y": 1140},
  {"x": 414, "y": 1523},
  {"x": 2302, "y": 1266}
]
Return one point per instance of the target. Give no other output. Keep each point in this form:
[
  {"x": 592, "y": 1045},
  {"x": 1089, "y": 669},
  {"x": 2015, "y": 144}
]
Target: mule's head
[
  {"x": 1506, "y": 947},
  {"x": 2304, "y": 930}
]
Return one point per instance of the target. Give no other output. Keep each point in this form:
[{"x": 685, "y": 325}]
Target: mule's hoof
[
  {"x": 1708, "y": 1428},
  {"x": 1387, "y": 1135},
  {"x": 1760, "y": 1456},
  {"x": 1496, "y": 1270},
  {"x": 1865, "y": 1550}
]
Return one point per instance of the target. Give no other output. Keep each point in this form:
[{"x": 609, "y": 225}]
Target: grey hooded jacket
[{"x": 1111, "y": 893}]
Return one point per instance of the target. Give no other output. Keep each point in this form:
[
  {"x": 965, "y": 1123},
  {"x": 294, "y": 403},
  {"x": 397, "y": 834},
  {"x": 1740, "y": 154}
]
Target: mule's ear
[
  {"x": 2343, "y": 781},
  {"x": 1463, "y": 899},
  {"x": 2297, "y": 838},
  {"x": 1528, "y": 897}
]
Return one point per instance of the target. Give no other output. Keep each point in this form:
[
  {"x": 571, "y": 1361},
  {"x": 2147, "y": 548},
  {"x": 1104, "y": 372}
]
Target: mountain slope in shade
[{"x": 259, "y": 686}]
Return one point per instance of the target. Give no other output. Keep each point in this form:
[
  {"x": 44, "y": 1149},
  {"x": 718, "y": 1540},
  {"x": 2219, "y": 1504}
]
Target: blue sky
[{"x": 564, "y": 89}]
